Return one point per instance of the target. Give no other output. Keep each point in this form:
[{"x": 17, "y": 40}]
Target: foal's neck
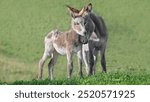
[
  {"x": 72, "y": 36},
  {"x": 73, "y": 32}
]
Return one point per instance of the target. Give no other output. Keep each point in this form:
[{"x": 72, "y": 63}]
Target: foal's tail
[
  {"x": 50, "y": 34},
  {"x": 49, "y": 48},
  {"x": 48, "y": 51}
]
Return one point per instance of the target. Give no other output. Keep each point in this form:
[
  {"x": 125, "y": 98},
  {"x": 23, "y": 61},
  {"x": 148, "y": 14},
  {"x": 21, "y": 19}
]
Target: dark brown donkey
[{"x": 96, "y": 43}]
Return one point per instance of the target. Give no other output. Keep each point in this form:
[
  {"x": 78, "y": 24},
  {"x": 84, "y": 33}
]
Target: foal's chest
[{"x": 64, "y": 42}]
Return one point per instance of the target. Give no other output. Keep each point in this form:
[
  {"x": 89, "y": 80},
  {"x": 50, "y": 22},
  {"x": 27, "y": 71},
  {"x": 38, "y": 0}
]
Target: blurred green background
[{"x": 24, "y": 24}]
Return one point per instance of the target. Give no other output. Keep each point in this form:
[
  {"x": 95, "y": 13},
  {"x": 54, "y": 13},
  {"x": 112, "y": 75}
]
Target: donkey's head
[
  {"x": 81, "y": 23},
  {"x": 89, "y": 24}
]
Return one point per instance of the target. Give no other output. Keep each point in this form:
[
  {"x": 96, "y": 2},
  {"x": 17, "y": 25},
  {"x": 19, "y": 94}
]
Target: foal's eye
[{"x": 76, "y": 23}]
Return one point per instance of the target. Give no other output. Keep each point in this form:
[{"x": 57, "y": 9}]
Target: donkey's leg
[
  {"x": 103, "y": 61},
  {"x": 91, "y": 59},
  {"x": 95, "y": 54},
  {"x": 85, "y": 58},
  {"x": 80, "y": 64},
  {"x": 41, "y": 64},
  {"x": 51, "y": 65},
  {"x": 70, "y": 63}
]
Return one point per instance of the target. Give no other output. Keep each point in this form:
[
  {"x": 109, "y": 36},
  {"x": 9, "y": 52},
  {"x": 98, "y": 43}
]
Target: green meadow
[{"x": 24, "y": 24}]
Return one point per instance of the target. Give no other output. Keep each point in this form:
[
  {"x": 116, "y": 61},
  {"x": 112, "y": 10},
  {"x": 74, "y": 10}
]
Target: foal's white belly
[
  {"x": 60, "y": 50},
  {"x": 63, "y": 51}
]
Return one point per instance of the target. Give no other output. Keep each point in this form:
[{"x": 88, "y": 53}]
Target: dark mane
[{"x": 100, "y": 25}]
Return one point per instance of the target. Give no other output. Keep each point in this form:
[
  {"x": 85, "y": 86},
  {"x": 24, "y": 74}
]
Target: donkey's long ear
[
  {"x": 73, "y": 12},
  {"x": 89, "y": 7}
]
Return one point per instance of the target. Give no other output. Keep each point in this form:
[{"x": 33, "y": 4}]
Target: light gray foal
[{"x": 67, "y": 43}]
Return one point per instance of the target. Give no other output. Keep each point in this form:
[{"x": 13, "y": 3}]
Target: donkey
[
  {"x": 67, "y": 43},
  {"x": 97, "y": 42}
]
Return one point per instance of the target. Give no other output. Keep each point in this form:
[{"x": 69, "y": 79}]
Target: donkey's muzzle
[{"x": 83, "y": 39}]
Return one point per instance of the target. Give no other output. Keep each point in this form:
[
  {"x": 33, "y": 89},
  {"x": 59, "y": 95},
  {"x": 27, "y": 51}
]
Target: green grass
[
  {"x": 103, "y": 79},
  {"x": 24, "y": 23}
]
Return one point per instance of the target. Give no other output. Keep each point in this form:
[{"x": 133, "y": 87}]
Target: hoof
[{"x": 39, "y": 78}]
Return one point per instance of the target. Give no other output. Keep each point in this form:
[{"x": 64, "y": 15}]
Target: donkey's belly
[{"x": 85, "y": 47}]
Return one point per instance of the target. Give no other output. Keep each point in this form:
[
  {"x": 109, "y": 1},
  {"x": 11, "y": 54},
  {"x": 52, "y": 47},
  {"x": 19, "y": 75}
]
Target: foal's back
[{"x": 62, "y": 41}]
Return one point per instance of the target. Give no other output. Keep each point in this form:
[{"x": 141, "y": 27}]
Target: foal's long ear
[
  {"x": 73, "y": 12},
  {"x": 73, "y": 9},
  {"x": 82, "y": 11},
  {"x": 89, "y": 7}
]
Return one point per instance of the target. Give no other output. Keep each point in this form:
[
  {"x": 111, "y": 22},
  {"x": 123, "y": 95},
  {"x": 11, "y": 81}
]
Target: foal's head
[{"x": 81, "y": 23}]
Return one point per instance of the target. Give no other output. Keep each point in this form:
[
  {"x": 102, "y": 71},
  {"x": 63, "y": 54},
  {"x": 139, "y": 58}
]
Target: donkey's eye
[{"x": 85, "y": 23}]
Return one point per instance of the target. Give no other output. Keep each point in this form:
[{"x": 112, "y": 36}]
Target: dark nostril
[
  {"x": 83, "y": 41},
  {"x": 84, "y": 33}
]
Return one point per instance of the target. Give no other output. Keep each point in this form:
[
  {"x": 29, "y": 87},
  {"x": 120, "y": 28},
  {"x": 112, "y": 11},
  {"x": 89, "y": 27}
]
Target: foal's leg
[
  {"x": 51, "y": 65},
  {"x": 69, "y": 63},
  {"x": 103, "y": 61},
  {"x": 80, "y": 64},
  {"x": 95, "y": 54},
  {"x": 41, "y": 64},
  {"x": 47, "y": 53}
]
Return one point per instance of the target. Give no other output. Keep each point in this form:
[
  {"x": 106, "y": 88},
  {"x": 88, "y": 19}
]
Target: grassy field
[
  {"x": 24, "y": 23},
  {"x": 99, "y": 79}
]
